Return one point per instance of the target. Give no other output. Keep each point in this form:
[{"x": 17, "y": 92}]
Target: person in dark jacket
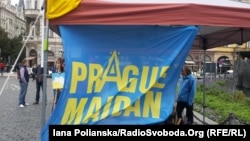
[
  {"x": 38, "y": 72},
  {"x": 23, "y": 82}
]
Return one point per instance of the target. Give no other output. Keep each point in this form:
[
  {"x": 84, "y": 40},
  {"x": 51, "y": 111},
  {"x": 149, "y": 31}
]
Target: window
[
  {"x": 29, "y": 4},
  {"x": 36, "y": 4},
  {"x": 50, "y": 53},
  {"x": 208, "y": 59},
  {"x": 189, "y": 58},
  {"x": 33, "y": 52},
  {"x": 248, "y": 44}
]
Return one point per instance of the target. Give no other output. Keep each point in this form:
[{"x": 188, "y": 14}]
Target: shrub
[{"x": 223, "y": 101}]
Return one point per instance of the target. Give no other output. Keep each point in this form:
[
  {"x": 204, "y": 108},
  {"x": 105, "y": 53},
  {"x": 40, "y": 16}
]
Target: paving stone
[{"x": 21, "y": 124}]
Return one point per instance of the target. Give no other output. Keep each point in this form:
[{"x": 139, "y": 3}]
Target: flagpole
[{"x": 44, "y": 60}]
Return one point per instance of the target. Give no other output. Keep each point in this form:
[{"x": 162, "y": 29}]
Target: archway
[
  {"x": 223, "y": 64},
  {"x": 32, "y": 57},
  {"x": 51, "y": 60},
  {"x": 207, "y": 59}
]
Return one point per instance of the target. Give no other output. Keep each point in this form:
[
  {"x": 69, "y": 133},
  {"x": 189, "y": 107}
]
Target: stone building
[
  {"x": 228, "y": 53},
  {"x": 12, "y": 20},
  {"x": 35, "y": 24}
]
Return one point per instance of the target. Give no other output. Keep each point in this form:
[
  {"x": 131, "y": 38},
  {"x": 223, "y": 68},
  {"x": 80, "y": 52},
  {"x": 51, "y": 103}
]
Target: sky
[{"x": 14, "y": 2}]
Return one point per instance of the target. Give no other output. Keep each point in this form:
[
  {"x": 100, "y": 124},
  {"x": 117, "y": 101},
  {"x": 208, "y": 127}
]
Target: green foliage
[
  {"x": 221, "y": 83},
  {"x": 10, "y": 47},
  {"x": 4, "y": 42},
  {"x": 224, "y": 102},
  {"x": 16, "y": 45}
]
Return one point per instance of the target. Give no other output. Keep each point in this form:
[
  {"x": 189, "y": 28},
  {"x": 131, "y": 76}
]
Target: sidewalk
[
  {"x": 22, "y": 124},
  {"x": 11, "y": 74},
  {"x": 198, "y": 120}
]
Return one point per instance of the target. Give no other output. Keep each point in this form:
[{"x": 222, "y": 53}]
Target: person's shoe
[
  {"x": 35, "y": 103},
  {"x": 21, "y": 105},
  {"x": 189, "y": 123},
  {"x": 26, "y": 104}
]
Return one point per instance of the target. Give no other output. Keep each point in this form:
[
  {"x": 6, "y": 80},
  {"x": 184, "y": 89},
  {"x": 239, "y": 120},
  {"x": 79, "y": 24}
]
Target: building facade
[
  {"x": 34, "y": 36},
  {"x": 228, "y": 54},
  {"x": 12, "y": 21}
]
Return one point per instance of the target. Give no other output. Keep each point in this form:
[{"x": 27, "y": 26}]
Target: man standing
[
  {"x": 38, "y": 72},
  {"x": 23, "y": 81},
  {"x": 186, "y": 94}
]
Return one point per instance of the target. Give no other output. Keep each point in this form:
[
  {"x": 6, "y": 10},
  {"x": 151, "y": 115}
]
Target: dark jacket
[
  {"x": 39, "y": 73},
  {"x": 25, "y": 77}
]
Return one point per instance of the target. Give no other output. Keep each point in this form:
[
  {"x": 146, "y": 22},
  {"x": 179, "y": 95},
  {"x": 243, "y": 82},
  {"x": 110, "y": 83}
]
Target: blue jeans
[{"x": 23, "y": 91}]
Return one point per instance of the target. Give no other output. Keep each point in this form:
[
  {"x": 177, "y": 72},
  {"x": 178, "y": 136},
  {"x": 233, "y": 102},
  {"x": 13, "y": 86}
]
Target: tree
[
  {"x": 10, "y": 48},
  {"x": 16, "y": 45},
  {"x": 4, "y": 44}
]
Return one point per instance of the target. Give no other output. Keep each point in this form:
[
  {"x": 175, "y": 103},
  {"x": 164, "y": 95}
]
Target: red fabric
[
  {"x": 222, "y": 22},
  {"x": 2, "y": 65},
  {"x": 188, "y": 12}
]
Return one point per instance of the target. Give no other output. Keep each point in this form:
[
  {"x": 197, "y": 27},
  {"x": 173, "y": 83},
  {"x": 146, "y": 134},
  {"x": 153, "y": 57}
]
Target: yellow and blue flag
[{"x": 120, "y": 75}]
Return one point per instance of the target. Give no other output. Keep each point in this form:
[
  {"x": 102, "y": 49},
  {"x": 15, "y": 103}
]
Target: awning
[
  {"x": 189, "y": 62},
  {"x": 51, "y": 60},
  {"x": 30, "y": 58}
]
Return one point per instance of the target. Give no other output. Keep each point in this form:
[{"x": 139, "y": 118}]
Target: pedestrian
[
  {"x": 23, "y": 82},
  {"x": 33, "y": 72},
  {"x": 186, "y": 94},
  {"x": 38, "y": 72},
  {"x": 2, "y": 66}
]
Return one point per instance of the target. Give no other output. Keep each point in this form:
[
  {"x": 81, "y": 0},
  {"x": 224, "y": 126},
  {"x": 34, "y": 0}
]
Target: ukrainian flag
[{"x": 58, "y": 8}]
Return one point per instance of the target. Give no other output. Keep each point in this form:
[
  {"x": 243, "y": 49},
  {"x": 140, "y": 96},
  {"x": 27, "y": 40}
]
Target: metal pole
[
  {"x": 220, "y": 71},
  {"x": 204, "y": 86},
  {"x": 204, "y": 80},
  {"x": 45, "y": 51}
]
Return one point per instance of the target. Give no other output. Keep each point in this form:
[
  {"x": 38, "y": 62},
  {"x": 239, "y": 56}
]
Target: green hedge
[{"x": 223, "y": 101}]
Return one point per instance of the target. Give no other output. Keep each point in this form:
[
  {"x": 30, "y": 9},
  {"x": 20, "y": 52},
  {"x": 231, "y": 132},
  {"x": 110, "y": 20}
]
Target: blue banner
[{"x": 120, "y": 75}]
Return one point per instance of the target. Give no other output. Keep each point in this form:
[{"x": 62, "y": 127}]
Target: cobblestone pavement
[
  {"x": 24, "y": 124},
  {"x": 21, "y": 124}
]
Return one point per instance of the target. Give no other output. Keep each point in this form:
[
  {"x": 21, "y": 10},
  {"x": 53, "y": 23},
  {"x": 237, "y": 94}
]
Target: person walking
[
  {"x": 186, "y": 94},
  {"x": 23, "y": 82},
  {"x": 38, "y": 72}
]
